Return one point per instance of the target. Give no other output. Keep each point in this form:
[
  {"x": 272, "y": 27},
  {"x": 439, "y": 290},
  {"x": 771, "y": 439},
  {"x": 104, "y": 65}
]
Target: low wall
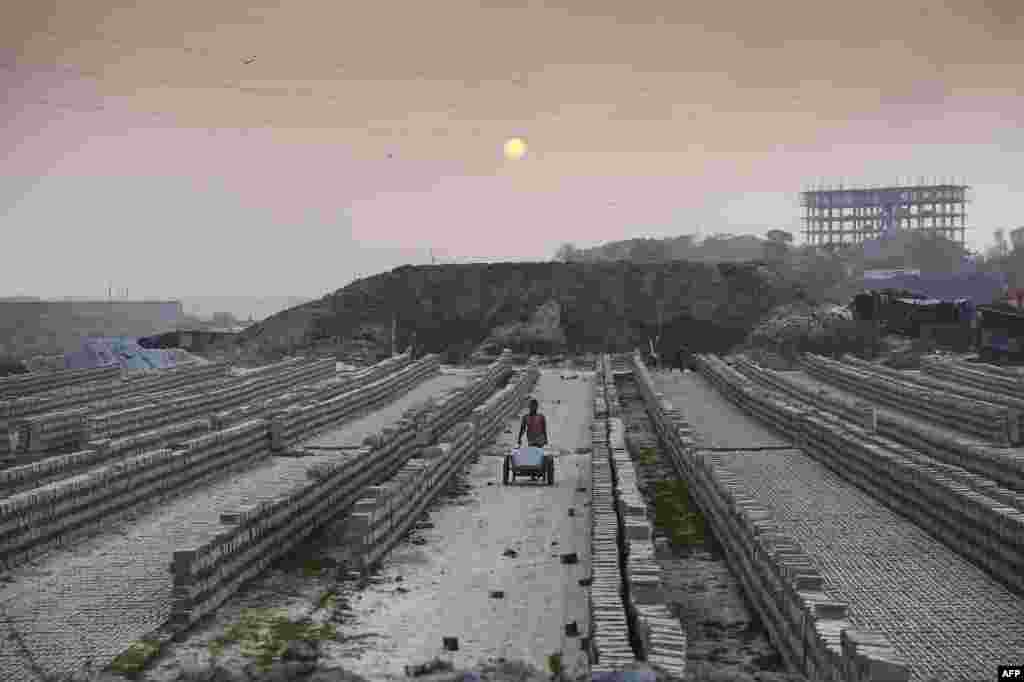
[
  {"x": 975, "y": 517},
  {"x": 807, "y": 624},
  {"x": 253, "y": 538},
  {"x": 36, "y": 520}
]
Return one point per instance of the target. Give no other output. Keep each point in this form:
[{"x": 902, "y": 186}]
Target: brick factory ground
[
  {"x": 943, "y": 614},
  {"x": 91, "y": 601},
  {"x": 437, "y": 582}
]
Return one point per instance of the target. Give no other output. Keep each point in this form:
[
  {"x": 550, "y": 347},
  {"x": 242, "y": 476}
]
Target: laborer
[{"x": 535, "y": 426}]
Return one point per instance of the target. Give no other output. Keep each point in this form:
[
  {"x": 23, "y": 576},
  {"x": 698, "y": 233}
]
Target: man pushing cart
[{"x": 531, "y": 461}]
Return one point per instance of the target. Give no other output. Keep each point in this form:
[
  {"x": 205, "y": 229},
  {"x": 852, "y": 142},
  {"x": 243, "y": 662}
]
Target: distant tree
[
  {"x": 649, "y": 251},
  {"x": 1017, "y": 238},
  {"x": 567, "y": 253},
  {"x": 777, "y": 245}
]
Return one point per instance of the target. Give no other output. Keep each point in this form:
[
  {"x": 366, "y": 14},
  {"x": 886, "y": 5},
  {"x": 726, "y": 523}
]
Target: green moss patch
[
  {"x": 648, "y": 456},
  {"x": 264, "y": 635},
  {"x": 555, "y": 664},
  {"x": 672, "y": 512},
  {"x": 327, "y": 601},
  {"x": 133, "y": 659}
]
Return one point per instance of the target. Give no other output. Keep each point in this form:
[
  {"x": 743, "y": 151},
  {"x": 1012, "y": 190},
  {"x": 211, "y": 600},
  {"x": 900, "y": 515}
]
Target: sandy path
[{"x": 442, "y": 585}]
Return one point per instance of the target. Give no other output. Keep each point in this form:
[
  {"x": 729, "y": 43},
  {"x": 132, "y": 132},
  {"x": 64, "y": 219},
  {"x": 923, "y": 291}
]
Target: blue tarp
[
  {"x": 123, "y": 350},
  {"x": 978, "y": 287}
]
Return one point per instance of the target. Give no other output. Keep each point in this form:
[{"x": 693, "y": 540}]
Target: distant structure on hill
[{"x": 834, "y": 217}]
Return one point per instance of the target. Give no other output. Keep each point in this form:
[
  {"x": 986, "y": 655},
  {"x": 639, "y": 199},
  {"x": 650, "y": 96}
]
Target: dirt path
[
  {"x": 439, "y": 583},
  {"x": 718, "y": 422}
]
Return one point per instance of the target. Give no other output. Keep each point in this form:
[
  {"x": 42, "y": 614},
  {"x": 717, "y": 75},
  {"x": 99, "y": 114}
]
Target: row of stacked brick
[
  {"x": 65, "y": 429},
  {"x": 253, "y": 538},
  {"x": 387, "y": 512},
  {"x": 658, "y": 635},
  {"x": 996, "y": 471},
  {"x": 39, "y": 382},
  {"x": 947, "y": 384},
  {"x": 975, "y": 517},
  {"x": 181, "y": 408},
  {"x": 611, "y": 636},
  {"x": 1003, "y": 380},
  {"x": 809, "y": 627},
  {"x": 323, "y": 389},
  {"x": 35, "y": 413},
  {"x": 43, "y": 517},
  {"x": 295, "y": 423},
  {"x": 996, "y": 423},
  {"x": 19, "y": 477},
  {"x": 22, "y": 477}
]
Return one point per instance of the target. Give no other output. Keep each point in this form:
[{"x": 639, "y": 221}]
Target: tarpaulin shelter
[
  {"x": 978, "y": 287},
  {"x": 122, "y": 350}
]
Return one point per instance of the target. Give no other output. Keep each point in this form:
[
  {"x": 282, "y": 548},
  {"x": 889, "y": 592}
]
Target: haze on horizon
[{"x": 239, "y": 148}]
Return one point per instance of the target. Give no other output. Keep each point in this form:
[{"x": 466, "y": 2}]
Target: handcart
[{"x": 532, "y": 462}]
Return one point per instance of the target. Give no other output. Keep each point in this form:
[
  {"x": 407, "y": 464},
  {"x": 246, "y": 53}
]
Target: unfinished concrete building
[{"x": 834, "y": 217}]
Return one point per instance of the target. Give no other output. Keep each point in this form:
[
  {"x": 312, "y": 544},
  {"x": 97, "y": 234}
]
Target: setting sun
[{"x": 515, "y": 149}]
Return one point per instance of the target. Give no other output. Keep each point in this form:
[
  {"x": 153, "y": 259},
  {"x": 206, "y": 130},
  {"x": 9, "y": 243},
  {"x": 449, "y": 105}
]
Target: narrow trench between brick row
[{"x": 724, "y": 633}]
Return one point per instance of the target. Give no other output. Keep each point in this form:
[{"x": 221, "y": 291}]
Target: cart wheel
[
  {"x": 504, "y": 471},
  {"x": 551, "y": 471}
]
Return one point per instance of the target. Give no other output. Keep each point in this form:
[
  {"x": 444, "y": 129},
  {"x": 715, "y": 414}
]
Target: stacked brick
[
  {"x": 33, "y": 521},
  {"x": 56, "y": 430},
  {"x": 251, "y": 539},
  {"x": 50, "y": 431},
  {"x": 323, "y": 389},
  {"x": 41, "y": 382},
  {"x": 611, "y": 638},
  {"x": 1006, "y": 381},
  {"x": 17, "y": 478},
  {"x": 992, "y": 470},
  {"x": 490, "y": 416},
  {"x": 658, "y": 635},
  {"x": 975, "y": 522},
  {"x": 997, "y": 423},
  {"x": 299, "y": 422},
  {"x": 808, "y": 626},
  {"x": 387, "y": 512},
  {"x": 176, "y": 377},
  {"x": 931, "y": 383},
  {"x": 98, "y": 397}
]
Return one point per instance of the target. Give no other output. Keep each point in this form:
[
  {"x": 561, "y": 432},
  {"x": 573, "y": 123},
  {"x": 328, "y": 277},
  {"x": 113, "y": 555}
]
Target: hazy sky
[{"x": 138, "y": 146}]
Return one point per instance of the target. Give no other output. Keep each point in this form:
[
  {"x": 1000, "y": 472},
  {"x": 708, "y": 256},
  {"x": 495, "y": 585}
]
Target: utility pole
[{"x": 394, "y": 335}]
